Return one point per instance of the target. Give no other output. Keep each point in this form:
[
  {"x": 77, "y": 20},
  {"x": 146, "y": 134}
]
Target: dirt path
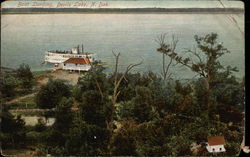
[
  {"x": 72, "y": 77},
  {"x": 59, "y": 74},
  {"x": 30, "y": 110},
  {"x": 20, "y": 98}
]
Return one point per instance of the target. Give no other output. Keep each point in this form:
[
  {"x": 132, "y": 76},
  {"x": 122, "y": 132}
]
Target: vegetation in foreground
[{"x": 133, "y": 113}]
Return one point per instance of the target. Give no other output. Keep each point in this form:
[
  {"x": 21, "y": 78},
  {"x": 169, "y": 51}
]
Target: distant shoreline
[{"x": 121, "y": 10}]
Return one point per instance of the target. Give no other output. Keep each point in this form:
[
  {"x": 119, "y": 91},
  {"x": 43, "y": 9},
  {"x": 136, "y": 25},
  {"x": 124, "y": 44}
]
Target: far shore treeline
[
  {"x": 121, "y": 10},
  {"x": 129, "y": 114}
]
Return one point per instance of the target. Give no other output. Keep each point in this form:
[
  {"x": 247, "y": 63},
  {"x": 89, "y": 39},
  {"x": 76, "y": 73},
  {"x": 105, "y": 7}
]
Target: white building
[
  {"x": 216, "y": 144},
  {"x": 77, "y": 64}
]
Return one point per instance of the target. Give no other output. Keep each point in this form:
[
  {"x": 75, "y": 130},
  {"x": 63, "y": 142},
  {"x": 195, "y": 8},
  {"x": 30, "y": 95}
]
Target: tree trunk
[
  {"x": 163, "y": 66},
  {"x": 207, "y": 81},
  {"x": 207, "y": 97}
]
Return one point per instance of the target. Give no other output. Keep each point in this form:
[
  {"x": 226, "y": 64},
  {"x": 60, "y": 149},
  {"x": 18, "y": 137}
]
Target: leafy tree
[
  {"x": 167, "y": 100},
  {"x": 182, "y": 89},
  {"x": 232, "y": 148},
  {"x": 206, "y": 63},
  {"x": 87, "y": 140},
  {"x": 93, "y": 80},
  {"x": 56, "y": 136},
  {"x": 94, "y": 104},
  {"x": 123, "y": 141},
  {"x": 150, "y": 140},
  {"x": 227, "y": 90},
  {"x": 139, "y": 108},
  {"x": 54, "y": 141},
  {"x": 40, "y": 150},
  {"x": 227, "y": 114},
  {"x": 51, "y": 94},
  {"x": 18, "y": 82},
  {"x": 12, "y": 129},
  {"x": 63, "y": 115},
  {"x": 142, "y": 104},
  {"x": 128, "y": 84},
  {"x": 77, "y": 93},
  {"x": 220, "y": 94},
  {"x": 179, "y": 145},
  {"x": 94, "y": 110},
  {"x": 25, "y": 75},
  {"x": 124, "y": 111},
  {"x": 8, "y": 85}
]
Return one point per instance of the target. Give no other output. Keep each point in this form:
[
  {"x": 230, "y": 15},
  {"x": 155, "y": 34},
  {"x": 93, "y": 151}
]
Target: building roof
[
  {"x": 216, "y": 140},
  {"x": 78, "y": 61}
]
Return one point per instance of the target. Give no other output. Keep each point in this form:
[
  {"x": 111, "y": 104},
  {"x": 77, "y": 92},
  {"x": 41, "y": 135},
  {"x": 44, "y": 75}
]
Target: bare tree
[
  {"x": 117, "y": 82},
  {"x": 161, "y": 40}
]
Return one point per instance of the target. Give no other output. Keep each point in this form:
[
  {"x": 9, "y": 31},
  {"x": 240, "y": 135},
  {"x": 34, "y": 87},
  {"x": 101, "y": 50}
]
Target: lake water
[{"x": 25, "y": 38}]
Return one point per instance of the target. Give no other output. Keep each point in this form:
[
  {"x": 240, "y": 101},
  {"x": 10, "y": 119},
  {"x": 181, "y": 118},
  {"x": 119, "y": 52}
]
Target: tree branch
[
  {"x": 116, "y": 65},
  {"x": 99, "y": 88},
  {"x": 174, "y": 43},
  {"x": 117, "y": 84},
  {"x": 168, "y": 66}
]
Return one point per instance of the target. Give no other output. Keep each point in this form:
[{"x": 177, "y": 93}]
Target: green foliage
[
  {"x": 41, "y": 150},
  {"x": 49, "y": 114},
  {"x": 56, "y": 136},
  {"x": 150, "y": 140},
  {"x": 24, "y": 71},
  {"x": 94, "y": 109},
  {"x": 54, "y": 141},
  {"x": 182, "y": 89},
  {"x": 142, "y": 104},
  {"x": 227, "y": 113},
  {"x": 205, "y": 60},
  {"x": 152, "y": 116},
  {"x": 86, "y": 140},
  {"x": 127, "y": 86},
  {"x": 41, "y": 73},
  {"x": 17, "y": 83},
  {"x": 139, "y": 107},
  {"x": 124, "y": 111},
  {"x": 179, "y": 146},
  {"x": 123, "y": 141},
  {"x": 213, "y": 50},
  {"x": 12, "y": 129},
  {"x": 27, "y": 103},
  {"x": 232, "y": 148},
  {"x": 25, "y": 75},
  {"x": 77, "y": 93},
  {"x": 40, "y": 126},
  {"x": 51, "y": 94},
  {"x": 8, "y": 85},
  {"x": 94, "y": 80},
  {"x": 63, "y": 115},
  {"x": 92, "y": 93}
]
